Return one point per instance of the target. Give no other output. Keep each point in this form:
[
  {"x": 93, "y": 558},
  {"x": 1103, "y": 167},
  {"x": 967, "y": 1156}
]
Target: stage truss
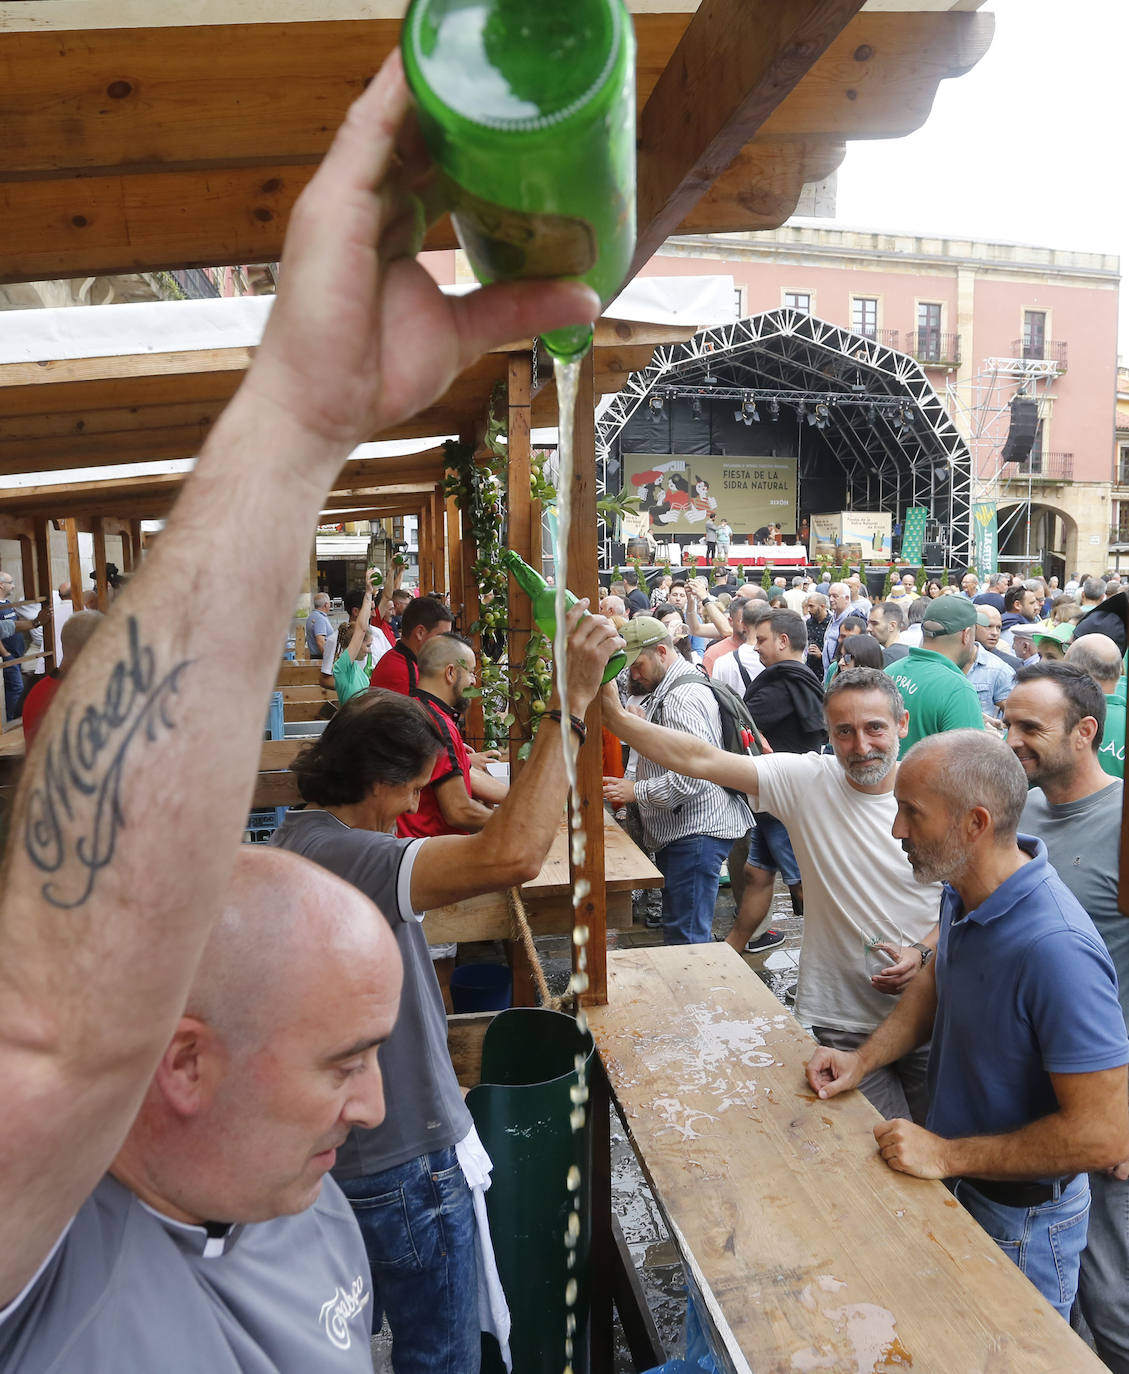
[{"x": 881, "y": 417}]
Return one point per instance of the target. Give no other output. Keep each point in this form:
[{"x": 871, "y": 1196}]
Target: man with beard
[
  {"x": 1055, "y": 728},
  {"x": 838, "y": 809},
  {"x": 448, "y": 805},
  {"x": 1027, "y": 1078},
  {"x": 690, "y": 825}
]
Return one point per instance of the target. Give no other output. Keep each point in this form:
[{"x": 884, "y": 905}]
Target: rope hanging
[{"x": 519, "y": 927}]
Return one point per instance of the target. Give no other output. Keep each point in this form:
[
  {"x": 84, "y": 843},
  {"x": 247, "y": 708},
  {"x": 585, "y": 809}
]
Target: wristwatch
[{"x": 925, "y": 952}]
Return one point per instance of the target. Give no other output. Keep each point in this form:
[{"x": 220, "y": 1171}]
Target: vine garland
[{"x": 478, "y": 489}]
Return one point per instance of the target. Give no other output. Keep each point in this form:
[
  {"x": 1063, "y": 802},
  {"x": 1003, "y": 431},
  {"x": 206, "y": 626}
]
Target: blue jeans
[
  {"x": 770, "y": 848},
  {"x": 1046, "y": 1241},
  {"x": 417, "y": 1220},
  {"x": 690, "y": 869},
  {"x": 1104, "y": 1278}
]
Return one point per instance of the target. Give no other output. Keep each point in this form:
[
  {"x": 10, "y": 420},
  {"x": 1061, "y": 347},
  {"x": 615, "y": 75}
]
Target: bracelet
[{"x": 577, "y": 724}]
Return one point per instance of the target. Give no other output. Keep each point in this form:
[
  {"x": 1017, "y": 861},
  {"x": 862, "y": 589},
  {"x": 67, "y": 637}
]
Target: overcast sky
[{"x": 1030, "y": 146}]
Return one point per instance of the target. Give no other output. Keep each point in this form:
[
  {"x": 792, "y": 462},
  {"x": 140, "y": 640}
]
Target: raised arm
[
  {"x": 512, "y": 845},
  {"x": 719, "y": 626},
  {"x": 678, "y": 751},
  {"x": 132, "y": 807}
]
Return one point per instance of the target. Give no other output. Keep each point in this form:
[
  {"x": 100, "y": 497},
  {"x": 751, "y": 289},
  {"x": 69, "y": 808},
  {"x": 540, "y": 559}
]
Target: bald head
[
  {"x": 970, "y": 768},
  {"x": 76, "y": 631},
  {"x": 275, "y": 1057},
  {"x": 1099, "y": 657},
  {"x": 285, "y": 927}
]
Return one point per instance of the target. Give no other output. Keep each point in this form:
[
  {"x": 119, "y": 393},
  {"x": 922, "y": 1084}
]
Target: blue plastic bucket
[{"x": 481, "y": 987}]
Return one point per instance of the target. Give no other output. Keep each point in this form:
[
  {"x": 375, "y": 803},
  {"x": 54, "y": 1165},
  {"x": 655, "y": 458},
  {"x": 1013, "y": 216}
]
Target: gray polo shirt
[
  {"x": 127, "y": 1291},
  {"x": 426, "y": 1111}
]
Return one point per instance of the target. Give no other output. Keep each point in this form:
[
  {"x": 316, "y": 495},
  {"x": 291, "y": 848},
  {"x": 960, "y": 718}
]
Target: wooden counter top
[{"x": 809, "y": 1252}]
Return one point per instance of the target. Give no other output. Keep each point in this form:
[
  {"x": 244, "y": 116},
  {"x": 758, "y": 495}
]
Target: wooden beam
[
  {"x": 583, "y": 579},
  {"x": 735, "y": 64},
  {"x": 43, "y": 588},
  {"x": 760, "y": 188},
  {"x": 101, "y": 584},
  {"x": 442, "y": 582},
  {"x": 455, "y": 561},
  {"x": 100, "y": 225},
  {"x": 75, "y": 565}
]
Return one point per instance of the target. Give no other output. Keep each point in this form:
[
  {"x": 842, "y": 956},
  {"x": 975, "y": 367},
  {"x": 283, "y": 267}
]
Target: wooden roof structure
[{"x": 142, "y": 135}]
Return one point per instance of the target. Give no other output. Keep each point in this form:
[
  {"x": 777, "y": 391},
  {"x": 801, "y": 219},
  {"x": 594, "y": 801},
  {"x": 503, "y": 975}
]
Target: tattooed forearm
[{"x": 74, "y": 809}]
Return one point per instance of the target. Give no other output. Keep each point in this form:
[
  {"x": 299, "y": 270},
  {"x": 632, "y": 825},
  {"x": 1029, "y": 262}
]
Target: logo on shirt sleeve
[{"x": 339, "y": 1311}]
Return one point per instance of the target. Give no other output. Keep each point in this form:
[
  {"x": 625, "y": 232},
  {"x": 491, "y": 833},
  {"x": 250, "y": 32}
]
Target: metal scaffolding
[{"x": 878, "y": 412}]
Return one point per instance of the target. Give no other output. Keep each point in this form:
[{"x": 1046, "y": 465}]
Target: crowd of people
[
  {"x": 939, "y": 773},
  {"x": 203, "y": 1167}
]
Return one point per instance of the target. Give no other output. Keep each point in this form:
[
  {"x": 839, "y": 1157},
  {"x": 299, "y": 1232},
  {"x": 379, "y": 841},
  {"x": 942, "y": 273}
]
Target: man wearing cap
[
  {"x": 688, "y": 822},
  {"x": 932, "y": 679}
]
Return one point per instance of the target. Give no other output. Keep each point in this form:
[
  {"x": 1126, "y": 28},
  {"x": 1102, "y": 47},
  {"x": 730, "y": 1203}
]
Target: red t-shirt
[
  {"x": 377, "y": 621},
  {"x": 452, "y": 769},
  {"x": 35, "y": 703},
  {"x": 396, "y": 671}
]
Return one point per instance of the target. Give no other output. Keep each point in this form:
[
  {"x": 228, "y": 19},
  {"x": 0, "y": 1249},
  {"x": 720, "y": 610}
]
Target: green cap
[
  {"x": 642, "y": 632},
  {"x": 1061, "y": 634},
  {"x": 948, "y": 615}
]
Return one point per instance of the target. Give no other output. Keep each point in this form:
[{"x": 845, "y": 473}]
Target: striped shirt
[{"x": 671, "y": 806}]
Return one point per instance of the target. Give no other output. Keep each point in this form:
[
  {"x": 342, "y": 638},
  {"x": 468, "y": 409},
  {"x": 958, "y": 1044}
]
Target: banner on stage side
[
  {"x": 985, "y": 534},
  {"x": 859, "y": 533},
  {"x": 679, "y": 492},
  {"x": 913, "y": 535}
]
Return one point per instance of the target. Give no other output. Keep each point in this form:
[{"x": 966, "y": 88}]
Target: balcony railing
[
  {"x": 887, "y": 337},
  {"x": 931, "y": 347},
  {"x": 1043, "y": 467},
  {"x": 1049, "y": 350}
]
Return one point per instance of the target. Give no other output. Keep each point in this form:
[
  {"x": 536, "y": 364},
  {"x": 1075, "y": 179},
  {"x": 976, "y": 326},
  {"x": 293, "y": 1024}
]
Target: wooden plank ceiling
[{"x": 141, "y": 135}]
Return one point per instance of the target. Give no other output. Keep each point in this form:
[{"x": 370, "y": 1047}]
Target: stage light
[
  {"x": 872, "y": 415},
  {"x": 696, "y": 408},
  {"x": 656, "y": 403},
  {"x": 774, "y": 409}
]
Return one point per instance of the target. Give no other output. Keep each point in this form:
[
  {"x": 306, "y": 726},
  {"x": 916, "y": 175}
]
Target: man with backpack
[{"x": 689, "y": 823}]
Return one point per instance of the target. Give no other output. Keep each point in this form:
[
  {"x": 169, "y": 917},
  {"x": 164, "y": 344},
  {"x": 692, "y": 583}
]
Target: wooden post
[
  {"x": 442, "y": 582},
  {"x": 71, "y": 527},
  {"x": 27, "y": 567},
  {"x": 101, "y": 585},
  {"x": 134, "y": 545},
  {"x": 426, "y": 550},
  {"x": 474, "y": 730},
  {"x": 583, "y": 577},
  {"x": 518, "y": 524},
  {"x": 42, "y": 541},
  {"x": 455, "y": 561}
]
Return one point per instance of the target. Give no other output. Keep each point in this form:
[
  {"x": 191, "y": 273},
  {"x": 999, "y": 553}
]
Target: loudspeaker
[
  {"x": 1021, "y": 432},
  {"x": 933, "y": 555}
]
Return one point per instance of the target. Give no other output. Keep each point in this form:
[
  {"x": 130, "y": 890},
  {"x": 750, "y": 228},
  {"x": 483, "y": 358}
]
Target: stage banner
[
  {"x": 678, "y": 492},
  {"x": 913, "y": 536},
  {"x": 985, "y": 537}
]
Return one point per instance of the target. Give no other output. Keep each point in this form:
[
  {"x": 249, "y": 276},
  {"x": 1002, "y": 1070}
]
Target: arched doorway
[{"x": 1037, "y": 534}]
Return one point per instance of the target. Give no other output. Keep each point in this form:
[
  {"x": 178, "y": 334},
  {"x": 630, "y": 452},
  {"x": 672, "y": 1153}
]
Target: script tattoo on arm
[{"x": 74, "y": 810}]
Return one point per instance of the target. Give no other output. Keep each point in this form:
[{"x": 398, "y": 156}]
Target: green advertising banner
[
  {"x": 913, "y": 536},
  {"x": 679, "y": 492},
  {"x": 985, "y": 537}
]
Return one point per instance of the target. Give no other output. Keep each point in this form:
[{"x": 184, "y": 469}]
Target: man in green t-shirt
[
  {"x": 1099, "y": 657},
  {"x": 932, "y": 679}
]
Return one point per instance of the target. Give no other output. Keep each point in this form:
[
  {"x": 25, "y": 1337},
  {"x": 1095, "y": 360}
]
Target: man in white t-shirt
[
  {"x": 868, "y": 926},
  {"x": 741, "y": 665}
]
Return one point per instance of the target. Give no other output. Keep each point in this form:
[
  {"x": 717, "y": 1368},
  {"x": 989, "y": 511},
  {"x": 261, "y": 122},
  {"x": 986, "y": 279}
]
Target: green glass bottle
[
  {"x": 544, "y": 599},
  {"x": 528, "y": 107}
]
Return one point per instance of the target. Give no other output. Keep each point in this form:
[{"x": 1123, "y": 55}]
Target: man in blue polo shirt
[{"x": 1027, "y": 1070}]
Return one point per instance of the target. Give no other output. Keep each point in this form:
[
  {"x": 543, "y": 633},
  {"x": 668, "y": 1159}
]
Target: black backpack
[{"x": 739, "y": 733}]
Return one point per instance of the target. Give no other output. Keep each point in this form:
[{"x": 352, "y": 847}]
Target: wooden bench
[
  {"x": 809, "y": 1253},
  {"x": 299, "y": 675}
]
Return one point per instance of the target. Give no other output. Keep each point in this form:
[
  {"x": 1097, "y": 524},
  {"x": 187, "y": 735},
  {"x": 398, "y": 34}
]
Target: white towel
[{"x": 493, "y": 1310}]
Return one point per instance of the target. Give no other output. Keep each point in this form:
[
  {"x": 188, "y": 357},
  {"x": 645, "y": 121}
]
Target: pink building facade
[{"x": 989, "y": 322}]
